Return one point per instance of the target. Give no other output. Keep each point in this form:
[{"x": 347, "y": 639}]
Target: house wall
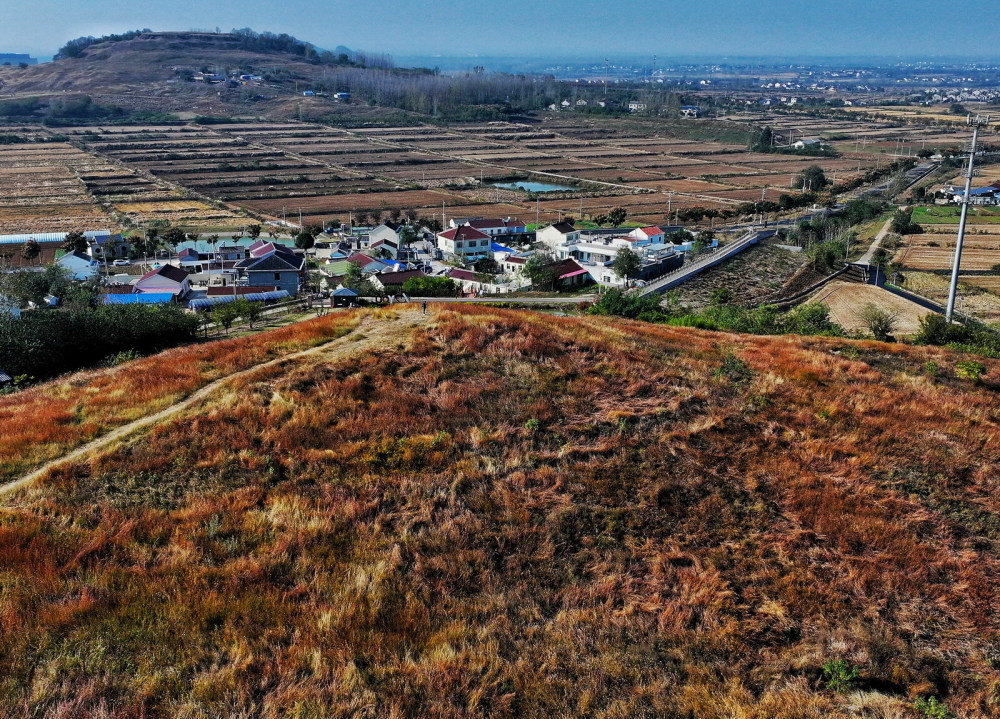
[{"x": 283, "y": 280}]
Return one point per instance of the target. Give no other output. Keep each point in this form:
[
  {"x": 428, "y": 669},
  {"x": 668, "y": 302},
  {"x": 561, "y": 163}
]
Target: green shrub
[
  {"x": 970, "y": 370},
  {"x": 931, "y": 708},
  {"x": 840, "y": 676}
]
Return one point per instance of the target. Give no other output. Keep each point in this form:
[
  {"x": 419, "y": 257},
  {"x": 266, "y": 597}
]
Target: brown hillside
[
  {"x": 144, "y": 68},
  {"x": 492, "y": 513}
]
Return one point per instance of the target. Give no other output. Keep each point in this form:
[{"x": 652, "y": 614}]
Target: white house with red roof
[
  {"x": 164, "y": 279},
  {"x": 464, "y": 242},
  {"x": 648, "y": 235}
]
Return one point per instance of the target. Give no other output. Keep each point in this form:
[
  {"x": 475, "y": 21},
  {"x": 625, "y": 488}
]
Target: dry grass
[
  {"x": 518, "y": 515},
  {"x": 68, "y": 412}
]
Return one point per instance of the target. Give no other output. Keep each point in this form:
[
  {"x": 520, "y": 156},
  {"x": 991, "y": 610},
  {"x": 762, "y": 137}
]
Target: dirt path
[
  {"x": 383, "y": 332},
  {"x": 866, "y": 259}
]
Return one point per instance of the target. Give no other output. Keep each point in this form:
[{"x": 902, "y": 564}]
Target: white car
[{"x": 121, "y": 263}]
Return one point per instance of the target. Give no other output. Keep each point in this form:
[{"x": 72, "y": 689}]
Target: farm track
[{"x": 388, "y": 331}]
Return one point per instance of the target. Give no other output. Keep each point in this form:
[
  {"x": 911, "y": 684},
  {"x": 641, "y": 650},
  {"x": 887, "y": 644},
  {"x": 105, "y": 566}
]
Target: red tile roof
[
  {"x": 651, "y": 231},
  {"x": 465, "y": 232},
  {"x": 467, "y": 275}
]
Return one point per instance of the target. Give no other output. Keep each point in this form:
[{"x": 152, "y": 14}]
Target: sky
[{"x": 538, "y": 28}]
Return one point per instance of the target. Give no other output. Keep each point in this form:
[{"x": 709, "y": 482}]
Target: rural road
[
  {"x": 383, "y": 331},
  {"x": 866, "y": 259}
]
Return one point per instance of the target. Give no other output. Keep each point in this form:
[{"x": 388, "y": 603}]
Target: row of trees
[
  {"x": 44, "y": 344},
  {"x": 809, "y": 319}
]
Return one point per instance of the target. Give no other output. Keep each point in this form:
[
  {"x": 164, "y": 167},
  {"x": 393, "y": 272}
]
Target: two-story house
[
  {"x": 561, "y": 233},
  {"x": 464, "y": 242},
  {"x": 272, "y": 265}
]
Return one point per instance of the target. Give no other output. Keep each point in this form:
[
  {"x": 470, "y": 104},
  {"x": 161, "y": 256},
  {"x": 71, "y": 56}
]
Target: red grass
[{"x": 392, "y": 531}]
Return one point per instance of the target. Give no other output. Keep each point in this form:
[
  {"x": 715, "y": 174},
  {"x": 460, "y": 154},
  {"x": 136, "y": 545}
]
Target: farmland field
[
  {"x": 214, "y": 177},
  {"x": 276, "y": 169}
]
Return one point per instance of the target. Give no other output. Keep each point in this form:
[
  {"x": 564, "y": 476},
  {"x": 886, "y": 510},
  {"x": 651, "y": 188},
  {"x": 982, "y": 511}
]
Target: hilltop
[
  {"x": 153, "y": 71},
  {"x": 485, "y": 512}
]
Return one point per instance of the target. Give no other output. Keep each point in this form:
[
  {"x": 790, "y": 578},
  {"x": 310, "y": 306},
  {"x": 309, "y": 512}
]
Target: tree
[
  {"x": 407, "y": 235},
  {"x": 304, "y": 240},
  {"x": 355, "y": 280},
  {"x": 541, "y": 269},
  {"x": 173, "y": 237},
  {"x": 250, "y": 311},
  {"x": 225, "y": 315},
  {"x": 253, "y": 231},
  {"x": 812, "y": 178},
  {"x": 627, "y": 264},
  {"x": 881, "y": 323},
  {"x": 430, "y": 287},
  {"x": 487, "y": 265},
  {"x": 902, "y": 223},
  {"x": 75, "y": 241},
  {"x": 617, "y": 216},
  {"x": 31, "y": 250}
]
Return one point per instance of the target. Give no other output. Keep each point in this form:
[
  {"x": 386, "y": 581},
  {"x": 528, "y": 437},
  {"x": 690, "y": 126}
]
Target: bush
[
  {"x": 430, "y": 287},
  {"x": 931, "y": 708},
  {"x": 970, "y": 370},
  {"x": 935, "y": 330},
  {"x": 840, "y": 676},
  {"x": 618, "y": 303},
  {"x": 881, "y": 323}
]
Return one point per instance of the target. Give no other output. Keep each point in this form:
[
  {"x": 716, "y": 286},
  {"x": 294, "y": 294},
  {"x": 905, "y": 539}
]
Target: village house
[
  {"x": 384, "y": 248},
  {"x": 386, "y": 231},
  {"x": 558, "y": 234},
  {"x": 271, "y": 264},
  {"x": 648, "y": 235},
  {"x": 80, "y": 266},
  {"x": 477, "y": 282},
  {"x": 166, "y": 279},
  {"x": 464, "y": 242},
  {"x": 493, "y": 227}
]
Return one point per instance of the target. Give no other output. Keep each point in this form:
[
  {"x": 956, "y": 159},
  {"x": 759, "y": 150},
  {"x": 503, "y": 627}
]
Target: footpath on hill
[{"x": 384, "y": 330}]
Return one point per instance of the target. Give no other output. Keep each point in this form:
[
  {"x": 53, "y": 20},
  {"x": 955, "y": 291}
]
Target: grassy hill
[
  {"x": 147, "y": 73},
  {"x": 485, "y": 512}
]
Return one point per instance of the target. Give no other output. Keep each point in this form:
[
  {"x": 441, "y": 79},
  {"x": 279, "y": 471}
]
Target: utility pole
[
  {"x": 605, "y": 77},
  {"x": 974, "y": 122}
]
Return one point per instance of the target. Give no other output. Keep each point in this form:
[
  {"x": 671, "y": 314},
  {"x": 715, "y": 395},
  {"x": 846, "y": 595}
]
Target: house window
[{"x": 277, "y": 276}]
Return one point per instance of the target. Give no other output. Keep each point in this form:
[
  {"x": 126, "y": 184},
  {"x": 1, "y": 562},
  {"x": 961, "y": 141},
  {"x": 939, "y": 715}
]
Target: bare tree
[{"x": 880, "y": 322}]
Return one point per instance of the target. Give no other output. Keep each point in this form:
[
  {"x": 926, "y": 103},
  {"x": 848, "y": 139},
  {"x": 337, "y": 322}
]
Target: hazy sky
[{"x": 536, "y": 27}]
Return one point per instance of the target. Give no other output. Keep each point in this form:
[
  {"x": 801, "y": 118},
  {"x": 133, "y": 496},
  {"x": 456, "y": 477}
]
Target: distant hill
[
  {"x": 490, "y": 513},
  {"x": 159, "y": 67}
]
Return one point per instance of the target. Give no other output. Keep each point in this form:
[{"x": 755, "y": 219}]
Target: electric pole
[{"x": 975, "y": 122}]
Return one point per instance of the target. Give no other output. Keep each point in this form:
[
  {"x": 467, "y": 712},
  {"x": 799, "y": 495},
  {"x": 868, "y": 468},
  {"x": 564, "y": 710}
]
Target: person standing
[{"x": 423, "y": 307}]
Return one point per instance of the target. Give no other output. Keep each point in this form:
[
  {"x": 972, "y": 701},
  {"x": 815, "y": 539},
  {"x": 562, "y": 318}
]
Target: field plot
[
  {"x": 846, "y": 299},
  {"x": 41, "y": 189},
  {"x": 978, "y": 295},
  {"x": 941, "y": 258}
]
